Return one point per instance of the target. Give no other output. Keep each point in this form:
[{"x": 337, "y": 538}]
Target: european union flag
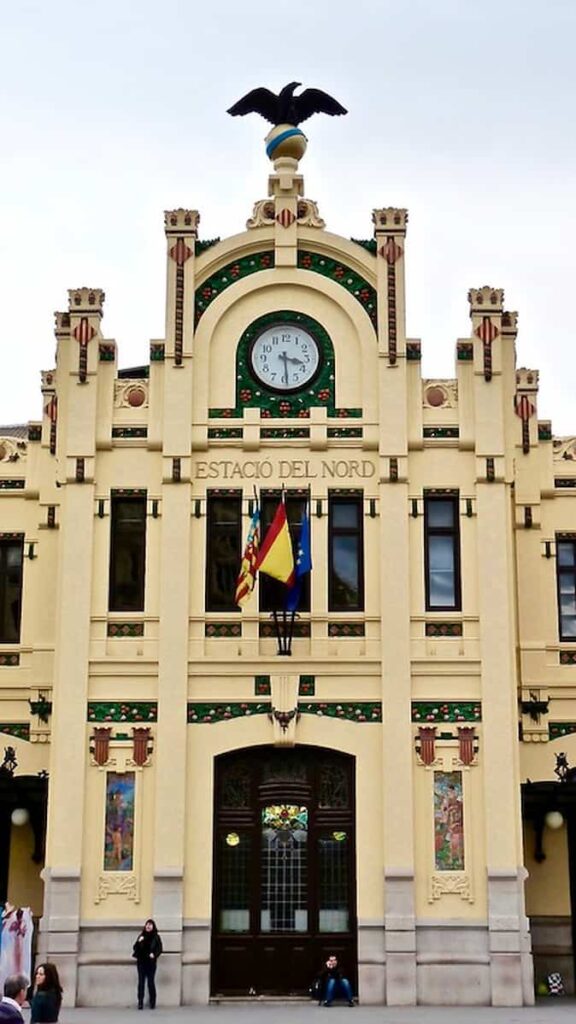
[{"x": 302, "y": 564}]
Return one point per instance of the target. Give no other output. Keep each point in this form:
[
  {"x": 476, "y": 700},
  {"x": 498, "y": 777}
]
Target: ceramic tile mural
[
  {"x": 119, "y": 841},
  {"x": 448, "y": 822}
]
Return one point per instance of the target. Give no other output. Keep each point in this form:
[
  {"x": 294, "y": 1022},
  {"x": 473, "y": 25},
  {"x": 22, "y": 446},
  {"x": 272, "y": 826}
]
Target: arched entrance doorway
[{"x": 284, "y": 869}]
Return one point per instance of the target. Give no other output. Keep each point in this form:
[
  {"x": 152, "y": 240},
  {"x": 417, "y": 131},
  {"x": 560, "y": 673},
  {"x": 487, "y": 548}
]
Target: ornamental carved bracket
[
  {"x": 450, "y": 884},
  {"x": 284, "y": 725},
  {"x": 117, "y": 884},
  {"x": 284, "y": 717},
  {"x": 264, "y": 214}
]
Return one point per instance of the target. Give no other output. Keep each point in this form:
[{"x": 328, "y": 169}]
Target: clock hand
[
  {"x": 285, "y": 357},
  {"x": 294, "y": 359}
]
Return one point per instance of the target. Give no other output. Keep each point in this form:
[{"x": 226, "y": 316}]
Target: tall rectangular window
[
  {"x": 11, "y": 556},
  {"x": 442, "y": 553},
  {"x": 127, "y": 554},
  {"x": 566, "y": 581},
  {"x": 273, "y": 592},
  {"x": 345, "y": 554},
  {"x": 223, "y": 551}
]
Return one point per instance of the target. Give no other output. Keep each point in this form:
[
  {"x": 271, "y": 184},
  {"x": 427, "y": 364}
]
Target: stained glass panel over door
[{"x": 284, "y": 868}]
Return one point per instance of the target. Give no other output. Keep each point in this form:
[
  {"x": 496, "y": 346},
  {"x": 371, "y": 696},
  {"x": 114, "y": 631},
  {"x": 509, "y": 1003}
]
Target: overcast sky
[{"x": 112, "y": 112}]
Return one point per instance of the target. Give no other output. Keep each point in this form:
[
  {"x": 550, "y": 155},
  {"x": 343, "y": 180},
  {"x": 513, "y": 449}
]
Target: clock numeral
[
  {"x": 295, "y": 378},
  {"x": 275, "y": 339},
  {"x": 286, "y": 337},
  {"x": 265, "y": 368}
]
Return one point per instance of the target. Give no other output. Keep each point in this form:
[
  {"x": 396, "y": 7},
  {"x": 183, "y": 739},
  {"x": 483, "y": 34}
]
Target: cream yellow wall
[
  {"x": 548, "y": 883},
  {"x": 25, "y": 886}
]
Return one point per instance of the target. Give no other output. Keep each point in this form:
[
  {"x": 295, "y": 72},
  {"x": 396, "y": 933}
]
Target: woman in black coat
[
  {"x": 47, "y": 999},
  {"x": 147, "y": 949}
]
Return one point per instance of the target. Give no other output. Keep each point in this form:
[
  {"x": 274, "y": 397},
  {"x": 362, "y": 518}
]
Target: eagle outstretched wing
[
  {"x": 258, "y": 101},
  {"x": 316, "y": 101}
]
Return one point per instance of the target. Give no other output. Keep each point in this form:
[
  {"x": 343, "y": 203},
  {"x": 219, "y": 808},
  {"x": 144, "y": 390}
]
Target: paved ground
[{"x": 549, "y": 1011}]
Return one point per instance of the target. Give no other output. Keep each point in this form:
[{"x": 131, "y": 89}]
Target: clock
[{"x": 285, "y": 357}]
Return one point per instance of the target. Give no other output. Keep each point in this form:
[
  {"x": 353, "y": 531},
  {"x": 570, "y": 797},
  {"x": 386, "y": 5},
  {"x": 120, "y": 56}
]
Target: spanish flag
[{"x": 276, "y": 557}]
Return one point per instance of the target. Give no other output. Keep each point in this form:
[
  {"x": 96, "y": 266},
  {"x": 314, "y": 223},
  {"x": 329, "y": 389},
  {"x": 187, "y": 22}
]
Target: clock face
[{"x": 285, "y": 357}]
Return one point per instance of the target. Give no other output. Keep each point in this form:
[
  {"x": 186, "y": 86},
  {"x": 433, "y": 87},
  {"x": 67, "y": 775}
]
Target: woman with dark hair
[
  {"x": 147, "y": 949},
  {"x": 47, "y": 999}
]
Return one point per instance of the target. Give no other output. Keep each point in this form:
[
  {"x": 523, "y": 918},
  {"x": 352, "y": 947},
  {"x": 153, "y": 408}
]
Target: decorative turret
[
  {"x": 486, "y": 308},
  {"x": 181, "y": 228},
  {"x": 389, "y": 232},
  {"x": 85, "y": 307}
]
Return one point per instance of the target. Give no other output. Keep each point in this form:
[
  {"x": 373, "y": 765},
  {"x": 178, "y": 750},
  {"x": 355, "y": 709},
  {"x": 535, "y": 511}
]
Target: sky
[{"x": 111, "y": 113}]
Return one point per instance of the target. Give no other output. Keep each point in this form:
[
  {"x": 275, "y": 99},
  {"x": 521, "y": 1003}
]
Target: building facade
[{"x": 369, "y": 793}]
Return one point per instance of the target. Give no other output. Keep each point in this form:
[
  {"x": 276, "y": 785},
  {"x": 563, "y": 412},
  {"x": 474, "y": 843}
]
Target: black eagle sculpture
[{"x": 286, "y": 108}]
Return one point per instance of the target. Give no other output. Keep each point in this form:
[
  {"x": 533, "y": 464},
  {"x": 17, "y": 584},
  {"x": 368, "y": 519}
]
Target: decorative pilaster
[
  {"x": 78, "y": 334},
  {"x": 171, "y": 770},
  {"x": 286, "y": 185},
  {"x": 507, "y": 923},
  {"x": 397, "y": 739}
]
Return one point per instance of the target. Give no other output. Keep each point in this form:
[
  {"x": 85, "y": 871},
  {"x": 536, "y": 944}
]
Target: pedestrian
[
  {"x": 334, "y": 982},
  {"x": 47, "y": 999},
  {"x": 15, "y": 990},
  {"x": 147, "y": 949}
]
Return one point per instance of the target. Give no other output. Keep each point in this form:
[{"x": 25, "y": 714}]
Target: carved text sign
[{"x": 285, "y": 469}]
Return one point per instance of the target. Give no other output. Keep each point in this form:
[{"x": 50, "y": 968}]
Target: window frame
[
  {"x": 443, "y": 531},
  {"x": 6, "y": 542},
  {"x": 211, "y": 498},
  {"x": 114, "y": 603},
  {"x": 346, "y": 531},
  {"x": 567, "y": 570}
]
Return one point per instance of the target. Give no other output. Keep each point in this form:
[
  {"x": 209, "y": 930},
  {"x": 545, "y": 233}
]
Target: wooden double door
[{"x": 284, "y": 869}]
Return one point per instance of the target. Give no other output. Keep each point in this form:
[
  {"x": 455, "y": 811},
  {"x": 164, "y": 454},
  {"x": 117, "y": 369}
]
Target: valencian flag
[
  {"x": 247, "y": 574},
  {"x": 276, "y": 557},
  {"x": 303, "y": 564}
]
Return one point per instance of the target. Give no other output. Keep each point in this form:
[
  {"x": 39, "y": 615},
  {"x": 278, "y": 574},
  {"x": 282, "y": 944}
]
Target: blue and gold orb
[{"x": 286, "y": 140}]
